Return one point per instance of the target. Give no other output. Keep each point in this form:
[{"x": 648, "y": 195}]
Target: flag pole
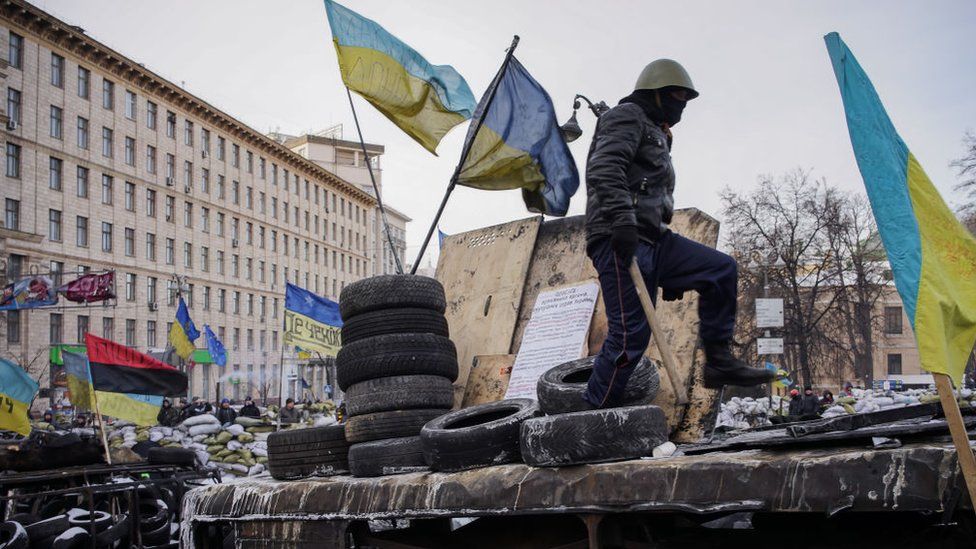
[
  {"x": 465, "y": 150},
  {"x": 376, "y": 190},
  {"x": 281, "y": 376},
  {"x": 957, "y": 428},
  {"x": 101, "y": 427}
]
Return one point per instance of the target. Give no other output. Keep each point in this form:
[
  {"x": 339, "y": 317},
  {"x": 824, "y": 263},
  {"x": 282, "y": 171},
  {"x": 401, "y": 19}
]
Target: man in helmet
[{"x": 629, "y": 186}]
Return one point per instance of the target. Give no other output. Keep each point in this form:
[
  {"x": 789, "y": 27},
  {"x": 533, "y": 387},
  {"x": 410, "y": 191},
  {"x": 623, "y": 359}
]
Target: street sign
[
  {"x": 769, "y": 312},
  {"x": 770, "y": 345}
]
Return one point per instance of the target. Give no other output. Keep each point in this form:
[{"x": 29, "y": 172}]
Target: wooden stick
[
  {"x": 960, "y": 438},
  {"x": 101, "y": 427},
  {"x": 667, "y": 357}
]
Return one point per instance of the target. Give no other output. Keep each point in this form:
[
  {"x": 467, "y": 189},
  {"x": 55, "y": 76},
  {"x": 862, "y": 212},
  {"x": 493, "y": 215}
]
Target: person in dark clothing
[
  {"x": 809, "y": 404},
  {"x": 290, "y": 414},
  {"x": 828, "y": 399},
  {"x": 168, "y": 416},
  {"x": 197, "y": 408},
  {"x": 795, "y": 402},
  {"x": 226, "y": 414},
  {"x": 250, "y": 409},
  {"x": 629, "y": 186}
]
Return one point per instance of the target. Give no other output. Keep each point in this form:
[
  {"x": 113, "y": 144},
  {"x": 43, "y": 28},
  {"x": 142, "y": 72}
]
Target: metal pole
[
  {"x": 468, "y": 143},
  {"x": 372, "y": 178},
  {"x": 281, "y": 380}
]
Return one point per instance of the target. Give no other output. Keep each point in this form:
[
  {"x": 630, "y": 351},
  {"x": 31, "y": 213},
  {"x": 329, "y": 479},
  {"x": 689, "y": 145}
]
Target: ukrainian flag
[
  {"x": 17, "y": 391},
  {"x": 183, "y": 332},
  {"x": 139, "y": 409},
  {"x": 424, "y": 100},
  {"x": 932, "y": 256},
  {"x": 518, "y": 144},
  {"x": 312, "y": 322}
]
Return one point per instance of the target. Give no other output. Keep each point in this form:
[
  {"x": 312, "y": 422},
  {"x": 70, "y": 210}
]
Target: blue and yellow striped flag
[
  {"x": 424, "y": 100},
  {"x": 932, "y": 256},
  {"x": 17, "y": 391},
  {"x": 183, "y": 332},
  {"x": 312, "y": 322}
]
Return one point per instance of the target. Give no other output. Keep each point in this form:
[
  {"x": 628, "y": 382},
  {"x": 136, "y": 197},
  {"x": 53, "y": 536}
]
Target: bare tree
[{"x": 966, "y": 165}]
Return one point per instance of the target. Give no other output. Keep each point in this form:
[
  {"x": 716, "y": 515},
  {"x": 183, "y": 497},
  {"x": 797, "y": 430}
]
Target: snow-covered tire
[
  {"x": 391, "y": 292},
  {"x": 75, "y": 537},
  {"x": 387, "y": 457},
  {"x": 479, "y": 436},
  {"x": 392, "y": 424},
  {"x": 13, "y": 535},
  {"x": 594, "y": 436},
  {"x": 101, "y": 520},
  {"x": 399, "y": 393},
  {"x": 48, "y": 527},
  {"x": 560, "y": 389},
  {"x": 396, "y": 355},
  {"x": 411, "y": 320},
  {"x": 298, "y": 453}
]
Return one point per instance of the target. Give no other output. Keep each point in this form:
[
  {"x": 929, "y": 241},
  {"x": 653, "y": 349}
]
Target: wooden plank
[
  {"x": 483, "y": 273},
  {"x": 488, "y": 379},
  {"x": 960, "y": 438}
]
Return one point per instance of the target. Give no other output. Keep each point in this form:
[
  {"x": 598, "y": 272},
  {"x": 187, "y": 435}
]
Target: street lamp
[{"x": 571, "y": 130}]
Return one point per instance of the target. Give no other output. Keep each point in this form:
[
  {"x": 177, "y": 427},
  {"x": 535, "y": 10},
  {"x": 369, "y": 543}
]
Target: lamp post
[
  {"x": 571, "y": 130},
  {"x": 772, "y": 314}
]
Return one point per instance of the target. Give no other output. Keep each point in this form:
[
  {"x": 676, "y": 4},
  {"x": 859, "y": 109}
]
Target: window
[
  {"x": 57, "y": 70},
  {"x": 11, "y": 214},
  {"x": 130, "y": 196},
  {"x": 262, "y": 202},
  {"x": 14, "y": 105},
  {"x": 221, "y": 300},
  {"x": 205, "y": 220},
  {"x": 206, "y": 298},
  {"x": 130, "y": 151},
  {"x": 249, "y": 198},
  {"x": 55, "y": 173},
  {"x": 220, "y": 224},
  {"x": 188, "y": 255},
  {"x": 205, "y": 139},
  {"x": 170, "y": 124},
  {"x": 107, "y": 189},
  {"x": 151, "y": 246},
  {"x": 221, "y": 143},
  {"x": 892, "y": 318},
  {"x": 106, "y": 237},
  {"x": 236, "y": 341},
  {"x": 235, "y": 192},
  {"x": 130, "y": 332},
  {"x": 250, "y": 162},
  {"x": 170, "y": 169},
  {"x": 236, "y": 304},
  {"x": 220, "y": 187},
  {"x": 106, "y": 142},
  {"x": 130, "y": 287},
  {"x": 274, "y": 208},
  {"x": 57, "y": 122},
  {"x": 235, "y": 158},
  {"x": 151, "y": 333},
  {"x": 130, "y": 242},
  {"x": 220, "y": 262},
  {"x": 15, "y": 51},
  {"x": 205, "y": 180},
  {"x": 82, "y": 133},
  {"x": 170, "y": 208},
  {"x": 235, "y": 263},
  {"x": 894, "y": 364},
  {"x": 56, "y": 327},
  {"x": 108, "y": 94},
  {"x": 108, "y": 327},
  {"x": 261, "y": 168},
  {"x": 188, "y": 215},
  {"x": 205, "y": 259},
  {"x": 150, "y": 159},
  {"x": 81, "y": 232},
  {"x": 54, "y": 225},
  {"x": 170, "y": 251},
  {"x": 151, "y": 289},
  {"x": 188, "y": 133},
  {"x": 188, "y": 173},
  {"x": 84, "y": 83},
  {"x": 150, "y": 203},
  {"x": 130, "y": 105},
  {"x": 13, "y": 160},
  {"x": 151, "y": 115}
]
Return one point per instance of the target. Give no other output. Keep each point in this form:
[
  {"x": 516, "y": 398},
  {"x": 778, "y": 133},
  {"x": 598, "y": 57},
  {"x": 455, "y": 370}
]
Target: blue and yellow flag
[
  {"x": 17, "y": 391},
  {"x": 518, "y": 145},
  {"x": 139, "y": 409},
  {"x": 312, "y": 322},
  {"x": 932, "y": 256},
  {"x": 183, "y": 332},
  {"x": 424, "y": 100}
]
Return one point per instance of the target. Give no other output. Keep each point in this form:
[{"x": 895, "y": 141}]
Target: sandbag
[
  {"x": 155, "y": 436},
  {"x": 202, "y": 419},
  {"x": 204, "y": 429},
  {"x": 263, "y": 460},
  {"x": 232, "y": 458},
  {"x": 223, "y": 437},
  {"x": 248, "y": 421},
  {"x": 260, "y": 452},
  {"x": 255, "y": 469},
  {"x": 235, "y": 429},
  {"x": 245, "y": 437},
  {"x": 202, "y": 457},
  {"x": 214, "y": 448},
  {"x": 233, "y": 445},
  {"x": 260, "y": 429},
  {"x": 223, "y": 453}
]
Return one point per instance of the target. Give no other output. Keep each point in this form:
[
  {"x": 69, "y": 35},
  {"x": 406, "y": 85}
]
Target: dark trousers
[{"x": 676, "y": 264}]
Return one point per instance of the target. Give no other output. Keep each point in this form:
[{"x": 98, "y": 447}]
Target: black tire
[
  {"x": 153, "y": 514},
  {"x": 391, "y": 292},
  {"x": 479, "y": 436},
  {"x": 48, "y": 527},
  {"x": 398, "y": 393},
  {"x": 396, "y": 355},
  {"x": 393, "y": 456},
  {"x": 24, "y": 518},
  {"x": 13, "y": 535},
  {"x": 172, "y": 456},
  {"x": 102, "y": 520},
  {"x": 114, "y": 533},
  {"x": 158, "y": 536},
  {"x": 560, "y": 389},
  {"x": 75, "y": 537},
  {"x": 318, "y": 451},
  {"x": 392, "y": 424},
  {"x": 595, "y": 436},
  {"x": 394, "y": 321}
]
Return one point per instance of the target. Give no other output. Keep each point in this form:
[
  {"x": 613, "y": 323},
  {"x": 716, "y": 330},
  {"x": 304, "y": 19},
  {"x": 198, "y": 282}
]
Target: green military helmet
[{"x": 663, "y": 73}]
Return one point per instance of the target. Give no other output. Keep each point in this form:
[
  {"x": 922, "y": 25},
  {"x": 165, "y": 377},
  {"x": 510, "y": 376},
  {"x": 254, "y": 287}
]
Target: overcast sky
[{"x": 769, "y": 101}]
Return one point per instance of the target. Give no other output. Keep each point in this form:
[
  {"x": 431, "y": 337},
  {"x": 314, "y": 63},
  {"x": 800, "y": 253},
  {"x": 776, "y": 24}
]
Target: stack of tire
[
  {"x": 397, "y": 367},
  {"x": 572, "y": 433}
]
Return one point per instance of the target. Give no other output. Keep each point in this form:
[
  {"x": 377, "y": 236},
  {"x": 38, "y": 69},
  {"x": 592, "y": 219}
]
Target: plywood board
[
  {"x": 488, "y": 379},
  {"x": 483, "y": 273}
]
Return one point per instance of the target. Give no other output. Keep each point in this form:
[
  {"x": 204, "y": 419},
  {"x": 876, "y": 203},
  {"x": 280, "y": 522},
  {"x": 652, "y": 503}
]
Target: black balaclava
[{"x": 659, "y": 105}]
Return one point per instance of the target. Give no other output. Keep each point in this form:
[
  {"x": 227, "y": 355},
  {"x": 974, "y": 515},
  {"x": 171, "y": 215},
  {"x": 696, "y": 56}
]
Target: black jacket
[
  {"x": 226, "y": 415},
  {"x": 810, "y": 405},
  {"x": 168, "y": 417},
  {"x": 629, "y": 177},
  {"x": 250, "y": 410}
]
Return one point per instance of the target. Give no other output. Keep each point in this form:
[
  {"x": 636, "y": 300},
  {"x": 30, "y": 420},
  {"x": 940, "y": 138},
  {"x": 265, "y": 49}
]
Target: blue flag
[
  {"x": 311, "y": 321},
  {"x": 217, "y": 351},
  {"x": 441, "y": 235},
  {"x": 519, "y": 145}
]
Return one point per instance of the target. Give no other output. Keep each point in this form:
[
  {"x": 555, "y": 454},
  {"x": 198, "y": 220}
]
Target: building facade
[{"x": 108, "y": 166}]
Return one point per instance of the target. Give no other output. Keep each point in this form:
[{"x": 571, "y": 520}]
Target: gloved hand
[
  {"x": 672, "y": 295},
  {"x": 623, "y": 241}
]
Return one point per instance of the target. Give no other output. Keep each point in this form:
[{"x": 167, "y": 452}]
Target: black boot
[{"x": 722, "y": 368}]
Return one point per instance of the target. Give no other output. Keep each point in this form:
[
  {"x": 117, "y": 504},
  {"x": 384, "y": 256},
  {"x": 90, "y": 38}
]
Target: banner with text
[{"x": 312, "y": 322}]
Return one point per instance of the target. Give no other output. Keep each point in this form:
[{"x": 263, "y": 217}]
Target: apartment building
[{"x": 109, "y": 166}]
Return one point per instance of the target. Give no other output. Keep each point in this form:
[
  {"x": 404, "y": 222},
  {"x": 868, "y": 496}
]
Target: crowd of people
[{"x": 171, "y": 415}]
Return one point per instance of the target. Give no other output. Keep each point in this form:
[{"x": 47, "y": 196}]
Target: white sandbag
[
  {"x": 248, "y": 421},
  {"x": 167, "y": 431},
  {"x": 234, "y": 445},
  {"x": 198, "y": 446},
  {"x": 261, "y": 452},
  {"x": 204, "y": 429},
  {"x": 239, "y": 468},
  {"x": 199, "y": 438},
  {"x": 261, "y": 437},
  {"x": 178, "y": 436},
  {"x": 664, "y": 450},
  {"x": 322, "y": 421},
  {"x": 155, "y": 436},
  {"x": 255, "y": 469},
  {"x": 202, "y": 456},
  {"x": 200, "y": 420},
  {"x": 235, "y": 429}
]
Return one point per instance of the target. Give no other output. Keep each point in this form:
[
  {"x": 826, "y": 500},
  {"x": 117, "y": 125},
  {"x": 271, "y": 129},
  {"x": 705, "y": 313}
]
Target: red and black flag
[{"x": 119, "y": 369}]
